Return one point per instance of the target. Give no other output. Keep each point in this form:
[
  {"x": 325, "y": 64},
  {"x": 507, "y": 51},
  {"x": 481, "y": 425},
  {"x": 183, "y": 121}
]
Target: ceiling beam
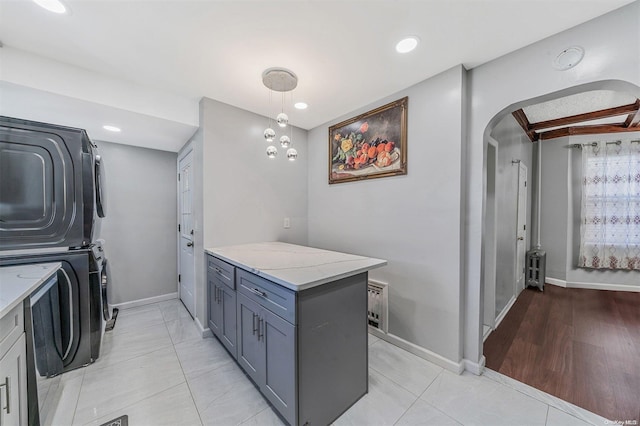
[
  {"x": 588, "y": 116},
  {"x": 523, "y": 121},
  {"x": 633, "y": 120},
  {"x": 585, "y": 130}
]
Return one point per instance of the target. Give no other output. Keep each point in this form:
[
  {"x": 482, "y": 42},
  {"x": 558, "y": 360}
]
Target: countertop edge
[
  {"x": 25, "y": 292},
  {"x": 375, "y": 263}
]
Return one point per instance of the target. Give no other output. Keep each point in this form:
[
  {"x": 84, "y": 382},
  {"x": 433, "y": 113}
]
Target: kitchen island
[{"x": 295, "y": 319}]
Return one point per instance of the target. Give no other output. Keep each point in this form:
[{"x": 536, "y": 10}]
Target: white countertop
[
  {"x": 295, "y": 267},
  {"x": 19, "y": 281}
]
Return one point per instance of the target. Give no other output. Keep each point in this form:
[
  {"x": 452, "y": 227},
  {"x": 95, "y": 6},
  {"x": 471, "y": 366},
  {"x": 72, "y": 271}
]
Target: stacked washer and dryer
[{"x": 51, "y": 204}]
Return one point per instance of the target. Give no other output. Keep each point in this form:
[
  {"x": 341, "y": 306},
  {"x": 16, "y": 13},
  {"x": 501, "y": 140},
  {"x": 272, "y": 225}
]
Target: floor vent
[
  {"x": 378, "y": 304},
  {"x": 120, "y": 421}
]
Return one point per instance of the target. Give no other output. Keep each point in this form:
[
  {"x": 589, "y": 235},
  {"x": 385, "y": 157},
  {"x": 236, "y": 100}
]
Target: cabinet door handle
[
  {"x": 215, "y": 293},
  {"x": 258, "y": 292},
  {"x": 6, "y": 385},
  {"x": 253, "y": 323},
  {"x": 261, "y": 329}
]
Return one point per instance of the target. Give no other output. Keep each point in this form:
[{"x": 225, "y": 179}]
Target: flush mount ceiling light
[
  {"x": 407, "y": 44},
  {"x": 281, "y": 80},
  {"x": 568, "y": 58},
  {"x": 111, "y": 128},
  {"x": 300, "y": 105},
  {"x": 55, "y": 6}
]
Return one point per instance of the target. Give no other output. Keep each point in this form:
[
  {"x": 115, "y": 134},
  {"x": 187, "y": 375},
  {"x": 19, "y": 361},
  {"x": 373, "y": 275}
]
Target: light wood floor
[{"x": 580, "y": 345}]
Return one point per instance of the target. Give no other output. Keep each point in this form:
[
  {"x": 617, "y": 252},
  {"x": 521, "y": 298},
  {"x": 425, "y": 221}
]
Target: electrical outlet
[{"x": 287, "y": 223}]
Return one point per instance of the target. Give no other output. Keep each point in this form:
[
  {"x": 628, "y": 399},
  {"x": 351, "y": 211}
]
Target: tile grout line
[
  {"x": 546, "y": 418},
  {"x": 187, "y": 382},
  {"x": 98, "y": 367},
  {"x": 406, "y": 411},
  {"x": 431, "y": 405},
  {"x": 75, "y": 408},
  {"x": 399, "y": 384},
  {"x": 136, "y": 402},
  {"x": 581, "y": 413},
  {"x": 189, "y": 386},
  {"x": 124, "y": 408}
]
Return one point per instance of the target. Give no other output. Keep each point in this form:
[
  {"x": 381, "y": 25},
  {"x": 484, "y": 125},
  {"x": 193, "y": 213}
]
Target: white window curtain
[{"x": 610, "y": 217}]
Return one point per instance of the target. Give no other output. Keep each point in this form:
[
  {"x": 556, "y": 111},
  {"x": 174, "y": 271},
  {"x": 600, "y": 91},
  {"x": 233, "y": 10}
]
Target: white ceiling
[
  {"x": 580, "y": 103},
  {"x": 342, "y": 51}
]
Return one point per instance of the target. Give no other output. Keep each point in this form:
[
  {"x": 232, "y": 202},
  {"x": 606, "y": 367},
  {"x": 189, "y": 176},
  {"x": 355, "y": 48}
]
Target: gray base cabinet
[
  {"x": 13, "y": 369},
  {"x": 222, "y": 302},
  {"x": 266, "y": 351},
  {"x": 306, "y": 351}
]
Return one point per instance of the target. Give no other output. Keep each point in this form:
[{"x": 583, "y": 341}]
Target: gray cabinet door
[
  {"x": 279, "y": 344},
  {"x": 215, "y": 307},
  {"x": 13, "y": 396},
  {"x": 250, "y": 351},
  {"x": 228, "y": 332}
]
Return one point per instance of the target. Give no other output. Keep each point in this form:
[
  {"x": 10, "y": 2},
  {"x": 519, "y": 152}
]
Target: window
[{"x": 610, "y": 215}]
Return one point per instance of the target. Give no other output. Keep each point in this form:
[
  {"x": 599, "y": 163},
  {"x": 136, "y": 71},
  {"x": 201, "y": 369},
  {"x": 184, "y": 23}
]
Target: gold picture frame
[{"x": 371, "y": 145}]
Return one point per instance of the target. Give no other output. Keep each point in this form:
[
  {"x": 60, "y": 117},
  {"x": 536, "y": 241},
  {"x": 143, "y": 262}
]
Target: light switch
[{"x": 287, "y": 223}]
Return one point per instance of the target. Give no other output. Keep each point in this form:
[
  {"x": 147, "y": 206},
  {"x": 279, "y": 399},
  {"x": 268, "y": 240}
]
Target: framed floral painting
[{"x": 371, "y": 145}]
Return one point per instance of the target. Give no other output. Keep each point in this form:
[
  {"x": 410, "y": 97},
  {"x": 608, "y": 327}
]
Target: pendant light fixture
[{"x": 280, "y": 80}]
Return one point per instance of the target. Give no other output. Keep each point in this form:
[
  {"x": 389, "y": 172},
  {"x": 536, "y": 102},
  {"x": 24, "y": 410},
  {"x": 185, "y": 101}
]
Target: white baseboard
[
  {"x": 593, "y": 286},
  {"x": 148, "y": 300},
  {"x": 423, "y": 353},
  {"x": 476, "y": 368},
  {"x": 556, "y": 282},
  {"x": 204, "y": 332},
  {"x": 486, "y": 332},
  {"x": 504, "y": 312}
]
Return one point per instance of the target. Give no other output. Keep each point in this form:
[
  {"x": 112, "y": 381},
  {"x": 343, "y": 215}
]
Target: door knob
[
  {"x": 520, "y": 238},
  {"x": 190, "y": 244}
]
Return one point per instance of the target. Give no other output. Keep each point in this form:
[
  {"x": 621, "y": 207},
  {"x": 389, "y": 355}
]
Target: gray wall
[
  {"x": 245, "y": 194},
  {"x": 513, "y": 144},
  {"x": 140, "y": 227},
  {"x": 561, "y": 201},
  {"x": 554, "y": 205},
  {"x": 412, "y": 221}
]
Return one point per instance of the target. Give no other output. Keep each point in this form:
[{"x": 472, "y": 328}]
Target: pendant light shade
[
  {"x": 285, "y": 141},
  {"x": 292, "y": 154},
  {"x": 282, "y": 119},
  {"x": 272, "y": 151},
  {"x": 269, "y": 134}
]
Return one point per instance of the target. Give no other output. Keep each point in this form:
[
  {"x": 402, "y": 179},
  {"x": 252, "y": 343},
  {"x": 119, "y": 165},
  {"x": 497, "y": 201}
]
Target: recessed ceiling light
[
  {"x": 55, "y": 6},
  {"x": 300, "y": 105},
  {"x": 407, "y": 44},
  {"x": 568, "y": 58},
  {"x": 111, "y": 128}
]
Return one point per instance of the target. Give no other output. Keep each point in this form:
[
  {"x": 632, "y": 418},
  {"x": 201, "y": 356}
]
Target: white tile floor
[{"x": 156, "y": 369}]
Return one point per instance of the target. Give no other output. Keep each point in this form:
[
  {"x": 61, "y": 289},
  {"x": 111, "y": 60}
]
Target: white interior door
[
  {"x": 521, "y": 230},
  {"x": 185, "y": 231}
]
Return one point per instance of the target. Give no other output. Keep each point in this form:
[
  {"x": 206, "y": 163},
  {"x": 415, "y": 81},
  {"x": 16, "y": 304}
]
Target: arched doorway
[{"x": 562, "y": 149}]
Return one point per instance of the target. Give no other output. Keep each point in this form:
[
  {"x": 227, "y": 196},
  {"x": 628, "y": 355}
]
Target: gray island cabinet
[{"x": 295, "y": 320}]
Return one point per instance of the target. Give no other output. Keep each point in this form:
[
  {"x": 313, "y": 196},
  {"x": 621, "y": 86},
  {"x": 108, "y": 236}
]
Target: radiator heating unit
[
  {"x": 536, "y": 268},
  {"x": 378, "y": 305}
]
